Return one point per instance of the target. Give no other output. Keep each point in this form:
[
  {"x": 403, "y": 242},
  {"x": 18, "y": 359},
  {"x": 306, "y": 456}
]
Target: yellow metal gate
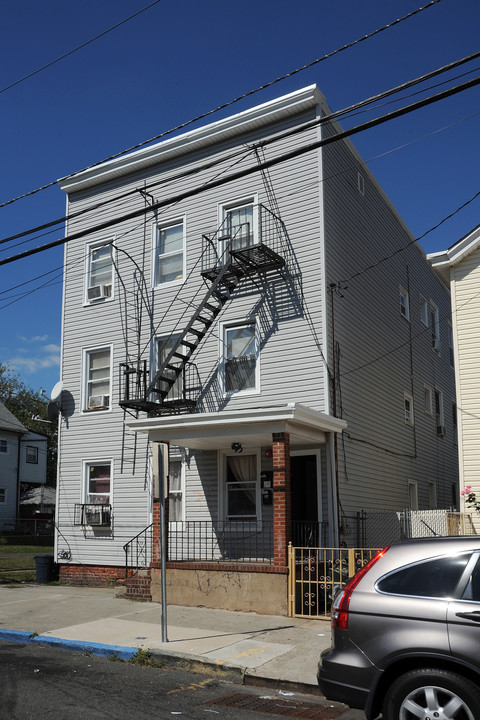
[{"x": 314, "y": 575}]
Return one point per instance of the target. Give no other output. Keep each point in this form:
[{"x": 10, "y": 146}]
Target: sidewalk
[{"x": 249, "y": 648}]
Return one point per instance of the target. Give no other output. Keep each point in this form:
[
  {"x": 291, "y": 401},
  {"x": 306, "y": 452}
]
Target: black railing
[
  {"x": 239, "y": 541},
  {"x": 133, "y": 388},
  {"x": 309, "y": 534},
  {"x": 138, "y": 552}
]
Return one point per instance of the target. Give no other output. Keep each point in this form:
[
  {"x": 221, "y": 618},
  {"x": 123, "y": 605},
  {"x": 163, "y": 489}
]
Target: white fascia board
[
  {"x": 191, "y": 141},
  {"x": 457, "y": 252},
  {"x": 295, "y": 413}
]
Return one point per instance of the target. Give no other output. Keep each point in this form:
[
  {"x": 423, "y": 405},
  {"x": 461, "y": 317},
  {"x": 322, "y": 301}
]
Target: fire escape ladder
[{"x": 188, "y": 341}]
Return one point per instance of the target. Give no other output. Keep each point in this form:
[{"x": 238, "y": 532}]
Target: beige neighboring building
[{"x": 460, "y": 267}]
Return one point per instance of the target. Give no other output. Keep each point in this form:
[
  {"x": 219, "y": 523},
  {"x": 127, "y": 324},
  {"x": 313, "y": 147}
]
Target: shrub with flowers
[{"x": 470, "y": 498}]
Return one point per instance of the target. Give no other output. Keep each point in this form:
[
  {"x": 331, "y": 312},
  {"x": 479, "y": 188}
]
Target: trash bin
[{"x": 44, "y": 568}]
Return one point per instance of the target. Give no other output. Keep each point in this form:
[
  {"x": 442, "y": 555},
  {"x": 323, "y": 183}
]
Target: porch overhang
[{"x": 252, "y": 427}]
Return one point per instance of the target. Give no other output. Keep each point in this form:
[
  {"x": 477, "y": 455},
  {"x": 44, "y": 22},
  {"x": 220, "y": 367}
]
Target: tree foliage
[{"x": 27, "y": 404}]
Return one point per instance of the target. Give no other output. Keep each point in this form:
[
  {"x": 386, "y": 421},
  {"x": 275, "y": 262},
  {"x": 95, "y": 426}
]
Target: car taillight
[{"x": 342, "y": 601}]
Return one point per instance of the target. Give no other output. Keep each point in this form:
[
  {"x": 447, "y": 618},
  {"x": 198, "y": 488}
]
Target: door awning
[{"x": 251, "y": 427}]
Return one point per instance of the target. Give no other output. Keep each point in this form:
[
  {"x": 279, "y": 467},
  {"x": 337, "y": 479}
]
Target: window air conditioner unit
[
  {"x": 98, "y": 292},
  {"x": 441, "y": 430},
  {"x": 98, "y": 402},
  {"x": 97, "y": 515}
]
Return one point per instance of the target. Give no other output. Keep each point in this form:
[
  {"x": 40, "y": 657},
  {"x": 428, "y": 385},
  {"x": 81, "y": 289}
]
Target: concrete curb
[
  {"x": 28, "y": 638},
  {"x": 203, "y": 666}
]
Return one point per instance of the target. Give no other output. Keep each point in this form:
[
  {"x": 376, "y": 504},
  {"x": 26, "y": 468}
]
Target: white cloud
[
  {"x": 34, "y": 339},
  {"x": 33, "y": 364},
  {"x": 51, "y": 348}
]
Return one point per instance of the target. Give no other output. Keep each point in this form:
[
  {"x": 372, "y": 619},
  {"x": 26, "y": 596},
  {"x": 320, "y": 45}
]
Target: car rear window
[{"x": 432, "y": 578}]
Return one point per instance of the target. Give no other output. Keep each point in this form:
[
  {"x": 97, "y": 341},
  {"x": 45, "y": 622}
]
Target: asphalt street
[{"x": 55, "y": 684}]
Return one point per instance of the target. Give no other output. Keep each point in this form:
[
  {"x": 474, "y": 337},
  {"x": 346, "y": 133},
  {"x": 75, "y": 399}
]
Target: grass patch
[
  {"x": 17, "y": 563},
  {"x": 144, "y": 659},
  {"x": 17, "y": 577},
  {"x": 35, "y": 549}
]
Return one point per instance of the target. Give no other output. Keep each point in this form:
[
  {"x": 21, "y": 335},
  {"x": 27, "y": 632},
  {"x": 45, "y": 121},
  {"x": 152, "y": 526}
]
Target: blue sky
[{"x": 182, "y": 58}]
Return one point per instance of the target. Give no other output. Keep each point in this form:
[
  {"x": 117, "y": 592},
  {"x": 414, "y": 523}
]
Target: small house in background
[
  {"x": 23, "y": 459},
  {"x": 459, "y": 267}
]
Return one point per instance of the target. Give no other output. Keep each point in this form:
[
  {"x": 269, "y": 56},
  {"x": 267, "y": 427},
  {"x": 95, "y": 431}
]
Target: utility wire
[
  {"x": 345, "y": 112},
  {"x": 253, "y": 169},
  {"x": 227, "y": 104},
  {"x": 76, "y": 49}
]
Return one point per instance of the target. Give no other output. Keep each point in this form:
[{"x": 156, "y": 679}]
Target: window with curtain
[
  {"x": 241, "y": 487},
  {"x": 98, "y": 482}
]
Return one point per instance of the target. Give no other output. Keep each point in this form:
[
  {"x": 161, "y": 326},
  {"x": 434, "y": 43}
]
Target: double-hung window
[
  {"x": 98, "y": 481},
  {"x": 434, "y": 325},
  {"x": 98, "y": 379},
  {"x": 176, "y": 490},
  {"x": 3, "y": 496},
  {"x": 99, "y": 272},
  {"x": 240, "y": 358},
  {"x": 439, "y": 413},
  {"x": 242, "y": 487},
  {"x": 4, "y": 446},
  {"x": 408, "y": 407},
  {"x": 170, "y": 252},
  {"x": 32, "y": 454},
  {"x": 239, "y": 224},
  {"x": 164, "y": 347}
]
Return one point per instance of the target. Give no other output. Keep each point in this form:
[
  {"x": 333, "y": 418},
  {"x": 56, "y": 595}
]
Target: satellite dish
[
  {"x": 53, "y": 410},
  {"x": 56, "y": 390}
]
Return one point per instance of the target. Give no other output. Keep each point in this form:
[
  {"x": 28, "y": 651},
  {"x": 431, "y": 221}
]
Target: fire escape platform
[{"x": 249, "y": 260}]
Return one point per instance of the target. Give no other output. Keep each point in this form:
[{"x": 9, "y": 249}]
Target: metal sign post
[{"x": 162, "y": 466}]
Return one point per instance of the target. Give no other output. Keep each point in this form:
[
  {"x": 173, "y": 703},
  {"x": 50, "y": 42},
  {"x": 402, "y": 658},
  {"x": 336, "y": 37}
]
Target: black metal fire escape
[{"x": 241, "y": 258}]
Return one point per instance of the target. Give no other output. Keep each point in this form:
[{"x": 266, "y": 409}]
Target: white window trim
[
  {"x": 412, "y": 485},
  {"x": 433, "y": 308},
  {"x": 224, "y": 207},
  {"x": 429, "y": 409},
  {"x": 88, "y": 256},
  {"x": 411, "y": 420},
  {"x": 5, "y": 497},
  {"x": 85, "y": 398},
  {"x": 405, "y": 307},
  {"x": 156, "y": 226},
  {"x": 221, "y": 368},
  {"x": 179, "y": 456},
  {"x": 424, "y": 306},
  {"x": 361, "y": 184},
  {"x": 85, "y": 465},
  {"x": 222, "y": 487},
  {"x": 154, "y": 364}
]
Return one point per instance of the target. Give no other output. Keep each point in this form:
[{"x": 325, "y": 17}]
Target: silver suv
[{"x": 406, "y": 633}]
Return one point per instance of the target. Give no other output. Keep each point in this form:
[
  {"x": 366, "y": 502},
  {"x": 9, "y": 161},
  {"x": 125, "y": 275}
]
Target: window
[
  {"x": 432, "y": 495},
  {"x": 404, "y": 304},
  {"x": 412, "y": 495},
  {"x": 450, "y": 345},
  {"x": 99, "y": 272},
  {"x": 170, "y": 252},
  {"x": 164, "y": 346},
  {"x": 408, "y": 405},
  {"x": 428, "y": 399},
  {"x": 32, "y": 455},
  {"x": 439, "y": 412},
  {"x": 472, "y": 589},
  {"x": 98, "y": 477},
  {"x": 434, "y": 325},
  {"x": 3, "y": 446},
  {"x": 242, "y": 487},
  {"x": 239, "y": 224},
  {"x": 435, "y": 578},
  {"x": 361, "y": 184},
  {"x": 176, "y": 490},
  {"x": 3, "y": 496},
  {"x": 240, "y": 358},
  {"x": 424, "y": 310},
  {"x": 97, "y": 379},
  {"x": 454, "y": 423}
]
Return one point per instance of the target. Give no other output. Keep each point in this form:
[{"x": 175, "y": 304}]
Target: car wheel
[{"x": 432, "y": 694}]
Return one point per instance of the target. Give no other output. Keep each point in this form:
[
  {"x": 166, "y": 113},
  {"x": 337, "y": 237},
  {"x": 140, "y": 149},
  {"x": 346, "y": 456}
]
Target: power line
[
  {"x": 253, "y": 169},
  {"x": 76, "y": 49},
  {"x": 227, "y": 104},
  {"x": 345, "y": 112}
]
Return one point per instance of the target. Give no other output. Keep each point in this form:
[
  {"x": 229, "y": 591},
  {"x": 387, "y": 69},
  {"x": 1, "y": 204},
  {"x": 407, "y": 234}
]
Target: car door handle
[{"x": 469, "y": 615}]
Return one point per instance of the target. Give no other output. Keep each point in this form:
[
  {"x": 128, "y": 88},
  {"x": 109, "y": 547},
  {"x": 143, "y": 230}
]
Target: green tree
[{"x": 27, "y": 404}]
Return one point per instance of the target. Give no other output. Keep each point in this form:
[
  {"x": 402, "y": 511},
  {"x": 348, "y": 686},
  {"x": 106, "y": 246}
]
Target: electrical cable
[
  {"x": 79, "y": 47},
  {"x": 228, "y": 104},
  {"x": 255, "y": 168},
  {"x": 344, "y": 113}
]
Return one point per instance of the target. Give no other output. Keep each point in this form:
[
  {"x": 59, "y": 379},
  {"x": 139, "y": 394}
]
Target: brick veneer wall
[
  {"x": 281, "y": 498},
  {"x": 92, "y": 575}
]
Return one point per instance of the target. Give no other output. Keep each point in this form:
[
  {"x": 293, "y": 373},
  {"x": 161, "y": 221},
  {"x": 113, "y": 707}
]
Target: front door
[{"x": 304, "y": 500}]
